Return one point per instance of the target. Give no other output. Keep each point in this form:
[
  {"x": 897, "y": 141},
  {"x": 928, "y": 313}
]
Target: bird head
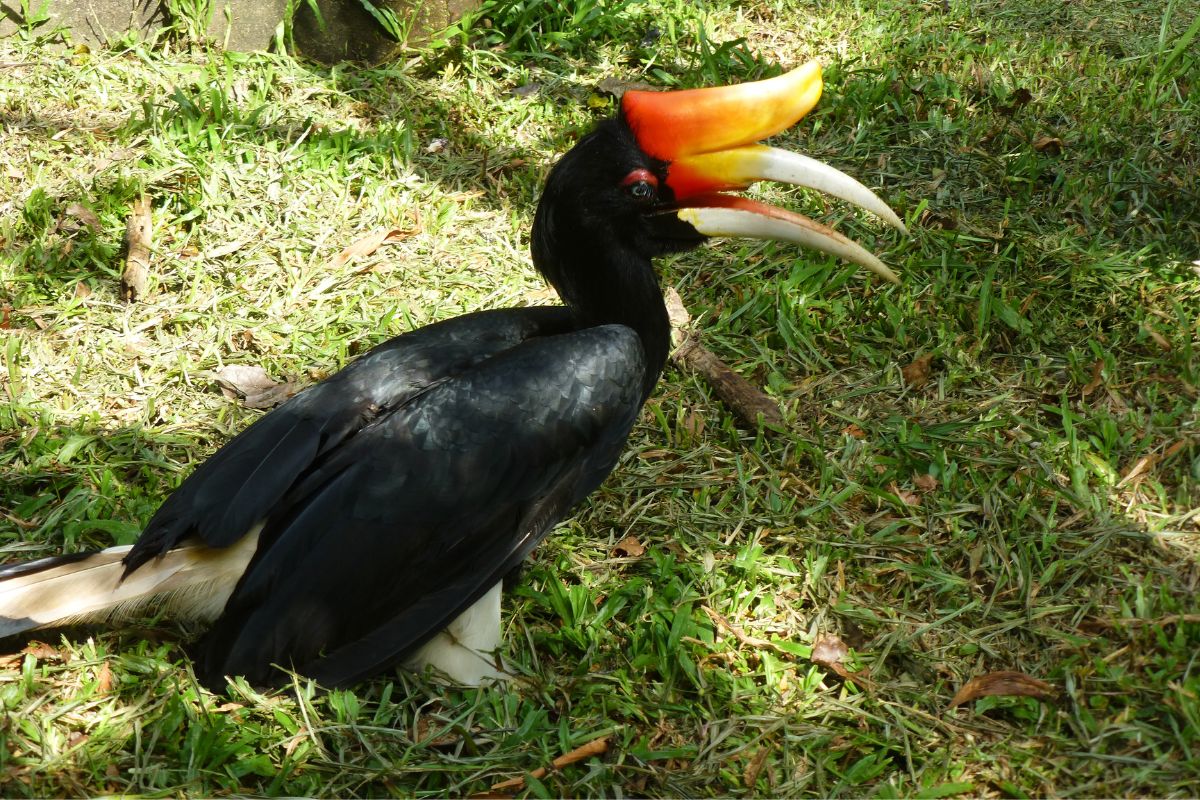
[{"x": 658, "y": 178}]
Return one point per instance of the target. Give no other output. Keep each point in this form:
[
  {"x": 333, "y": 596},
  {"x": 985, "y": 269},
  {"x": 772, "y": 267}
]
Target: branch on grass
[
  {"x": 595, "y": 747},
  {"x": 746, "y": 401},
  {"x": 137, "y": 251}
]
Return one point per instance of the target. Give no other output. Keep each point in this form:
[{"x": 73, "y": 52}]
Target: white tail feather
[
  {"x": 192, "y": 581},
  {"x": 464, "y": 650}
]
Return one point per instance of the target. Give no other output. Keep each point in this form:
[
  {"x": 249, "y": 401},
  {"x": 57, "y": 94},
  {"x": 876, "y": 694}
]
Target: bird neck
[{"x": 601, "y": 286}]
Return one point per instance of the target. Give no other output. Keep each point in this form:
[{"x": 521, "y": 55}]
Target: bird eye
[
  {"x": 642, "y": 190},
  {"x": 642, "y": 185}
]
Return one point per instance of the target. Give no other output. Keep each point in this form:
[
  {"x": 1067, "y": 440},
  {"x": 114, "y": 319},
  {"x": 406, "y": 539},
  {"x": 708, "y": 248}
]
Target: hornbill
[{"x": 369, "y": 521}]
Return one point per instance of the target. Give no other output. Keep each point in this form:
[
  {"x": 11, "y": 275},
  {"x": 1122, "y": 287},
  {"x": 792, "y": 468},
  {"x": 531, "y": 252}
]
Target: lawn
[{"x": 994, "y": 466}]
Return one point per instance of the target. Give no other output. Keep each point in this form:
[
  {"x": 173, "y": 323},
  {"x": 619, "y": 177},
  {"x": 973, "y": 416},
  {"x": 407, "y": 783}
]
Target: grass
[{"x": 1031, "y": 506}]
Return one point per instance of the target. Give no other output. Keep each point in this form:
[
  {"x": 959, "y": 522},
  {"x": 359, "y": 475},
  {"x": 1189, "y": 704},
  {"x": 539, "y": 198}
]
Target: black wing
[{"x": 243, "y": 481}]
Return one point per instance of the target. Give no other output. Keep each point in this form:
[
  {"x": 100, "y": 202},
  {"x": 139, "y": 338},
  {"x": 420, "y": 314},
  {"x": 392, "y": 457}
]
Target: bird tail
[{"x": 191, "y": 581}]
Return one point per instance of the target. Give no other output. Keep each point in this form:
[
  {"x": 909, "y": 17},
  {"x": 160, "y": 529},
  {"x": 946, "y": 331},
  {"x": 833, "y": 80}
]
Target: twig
[
  {"x": 746, "y": 401},
  {"x": 137, "y": 251},
  {"x": 593, "y": 748}
]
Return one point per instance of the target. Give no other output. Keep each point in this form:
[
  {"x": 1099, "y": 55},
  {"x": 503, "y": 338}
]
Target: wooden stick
[
  {"x": 595, "y": 747},
  {"x": 746, "y": 400}
]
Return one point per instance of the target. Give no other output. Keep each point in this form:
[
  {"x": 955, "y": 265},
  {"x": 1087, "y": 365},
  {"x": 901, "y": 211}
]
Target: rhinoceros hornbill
[{"x": 369, "y": 521}]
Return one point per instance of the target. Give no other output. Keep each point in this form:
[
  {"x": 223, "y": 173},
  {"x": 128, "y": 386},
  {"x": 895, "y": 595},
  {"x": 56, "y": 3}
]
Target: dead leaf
[
  {"x": 1097, "y": 378},
  {"x": 82, "y": 291},
  {"x": 1158, "y": 338},
  {"x": 925, "y": 482},
  {"x": 1021, "y": 97},
  {"x": 76, "y": 738},
  {"x": 916, "y": 374},
  {"x": 629, "y": 546},
  {"x": 1050, "y": 145},
  {"x": 910, "y": 499},
  {"x": 830, "y": 652},
  {"x": 254, "y": 385},
  {"x": 42, "y": 651},
  {"x": 1004, "y": 683},
  {"x": 367, "y": 245},
  {"x": 104, "y": 679},
  {"x": 84, "y": 215},
  {"x": 754, "y": 767},
  {"x": 138, "y": 229},
  {"x": 693, "y": 423},
  {"x": 854, "y": 431}
]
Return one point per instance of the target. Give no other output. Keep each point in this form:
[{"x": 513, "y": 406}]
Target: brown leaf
[
  {"x": 754, "y": 767},
  {"x": 42, "y": 651},
  {"x": 1050, "y": 145},
  {"x": 925, "y": 482},
  {"x": 104, "y": 679},
  {"x": 254, "y": 385},
  {"x": 82, "y": 291},
  {"x": 138, "y": 230},
  {"x": 76, "y": 738},
  {"x": 1021, "y": 97},
  {"x": 629, "y": 546},
  {"x": 1097, "y": 378},
  {"x": 1158, "y": 338},
  {"x": 855, "y": 431},
  {"x": 829, "y": 652},
  {"x": 1006, "y": 683},
  {"x": 84, "y": 215},
  {"x": 367, "y": 245},
  {"x": 911, "y": 499},
  {"x": 916, "y": 374},
  {"x": 693, "y": 423}
]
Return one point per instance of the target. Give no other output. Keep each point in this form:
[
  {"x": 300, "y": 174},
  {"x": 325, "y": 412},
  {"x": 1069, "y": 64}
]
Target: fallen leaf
[
  {"x": 629, "y": 546},
  {"x": 84, "y": 215},
  {"x": 693, "y": 423},
  {"x": 916, "y": 374},
  {"x": 82, "y": 291},
  {"x": 911, "y": 499},
  {"x": 1158, "y": 338},
  {"x": 854, "y": 431},
  {"x": 367, "y": 245},
  {"x": 76, "y": 738},
  {"x": 1021, "y": 97},
  {"x": 138, "y": 230},
  {"x": 42, "y": 651},
  {"x": 925, "y": 482},
  {"x": 1051, "y": 145},
  {"x": 754, "y": 767},
  {"x": 1097, "y": 378},
  {"x": 254, "y": 385},
  {"x": 104, "y": 679},
  {"x": 1004, "y": 683},
  {"x": 830, "y": 652}
]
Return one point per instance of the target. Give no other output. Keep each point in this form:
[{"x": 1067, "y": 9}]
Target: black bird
[{"x": 369, "y": 521}]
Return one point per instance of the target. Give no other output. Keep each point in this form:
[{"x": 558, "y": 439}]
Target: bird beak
[{"x": 709, "y": 141}]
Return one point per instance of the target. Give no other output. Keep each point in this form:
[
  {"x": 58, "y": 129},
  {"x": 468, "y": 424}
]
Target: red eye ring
[{"x": 640, "y": 175}]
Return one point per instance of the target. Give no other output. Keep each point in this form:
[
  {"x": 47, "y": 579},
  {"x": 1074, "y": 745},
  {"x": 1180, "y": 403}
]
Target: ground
[{"x": 994, "y": 466}]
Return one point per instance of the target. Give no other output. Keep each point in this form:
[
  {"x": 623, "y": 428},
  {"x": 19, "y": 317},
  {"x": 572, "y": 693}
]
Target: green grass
[{"x": 1031, "y": 507}]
